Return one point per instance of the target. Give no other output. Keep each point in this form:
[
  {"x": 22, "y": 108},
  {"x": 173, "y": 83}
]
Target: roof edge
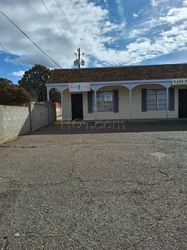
[{"x": 121, "y": 67}]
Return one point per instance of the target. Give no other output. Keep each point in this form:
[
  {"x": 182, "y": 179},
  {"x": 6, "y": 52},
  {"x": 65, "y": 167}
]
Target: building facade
[{"x": 134, "y": 92}]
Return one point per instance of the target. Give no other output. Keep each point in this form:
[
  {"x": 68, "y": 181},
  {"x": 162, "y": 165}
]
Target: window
[
  {"x": 156, "y": 99},
  {"x": 105, "y": 101}
]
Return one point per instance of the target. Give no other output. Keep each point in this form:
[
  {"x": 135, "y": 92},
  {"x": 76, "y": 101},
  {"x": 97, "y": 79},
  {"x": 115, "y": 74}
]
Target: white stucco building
[{"x": 134, "y": 92}]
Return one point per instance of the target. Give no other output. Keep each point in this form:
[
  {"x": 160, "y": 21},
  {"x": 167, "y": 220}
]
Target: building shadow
[{"x": 119, "y": 126}]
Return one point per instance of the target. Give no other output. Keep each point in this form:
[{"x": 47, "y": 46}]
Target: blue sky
[{"x": 110, "y": 33}]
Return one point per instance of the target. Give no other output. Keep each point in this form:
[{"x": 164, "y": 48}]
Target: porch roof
[{"x": 150, "y": 72}]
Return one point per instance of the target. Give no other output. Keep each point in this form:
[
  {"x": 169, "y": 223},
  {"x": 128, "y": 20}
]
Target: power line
[
  {"x": 39, "y": 17},
  {"x": 63, "y": 13},
  {"x": 3, "y": 48},
  {"x": 50, "y": 15},
  {"x": 15, "y": 25}
]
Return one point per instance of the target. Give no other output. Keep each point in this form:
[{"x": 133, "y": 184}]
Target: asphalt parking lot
[{"x": 94, "y": 191}]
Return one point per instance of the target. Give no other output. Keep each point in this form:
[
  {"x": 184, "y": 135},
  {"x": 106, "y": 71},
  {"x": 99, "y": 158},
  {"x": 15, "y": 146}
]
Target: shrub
[{"x": 12, "y": 95}]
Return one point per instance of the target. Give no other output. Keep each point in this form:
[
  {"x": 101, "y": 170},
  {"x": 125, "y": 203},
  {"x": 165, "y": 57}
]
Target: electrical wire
[
  {"x": 36, "y": 13},
  {"x": 15, "y": 25},
  {"x": 63, "y": 13},
  {"x": 39, "y": 16},
  {"x": 50, "y": 14}
]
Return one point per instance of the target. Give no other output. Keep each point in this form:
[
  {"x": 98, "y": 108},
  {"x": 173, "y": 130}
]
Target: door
[
  {"x": 76, "y": 106},
  {"x": 182, "y": 103}
]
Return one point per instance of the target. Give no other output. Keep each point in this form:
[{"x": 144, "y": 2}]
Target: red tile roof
[{"x": 167, "y": 71}]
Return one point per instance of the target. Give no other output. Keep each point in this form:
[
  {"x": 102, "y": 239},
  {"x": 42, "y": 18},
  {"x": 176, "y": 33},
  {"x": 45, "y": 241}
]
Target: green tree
[
  {"x": 33, "y": 81},
  {"x": 55, "y": 96}
]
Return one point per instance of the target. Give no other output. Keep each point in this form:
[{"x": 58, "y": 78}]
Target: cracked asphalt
[{"x": 94, "y": 191}]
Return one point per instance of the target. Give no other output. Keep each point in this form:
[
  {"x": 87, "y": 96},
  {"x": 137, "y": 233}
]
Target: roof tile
[{"x": 167, "y": 71}]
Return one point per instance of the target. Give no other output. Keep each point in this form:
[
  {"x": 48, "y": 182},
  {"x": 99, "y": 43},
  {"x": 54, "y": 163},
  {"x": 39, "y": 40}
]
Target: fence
[{"x": 15, "y": 120}]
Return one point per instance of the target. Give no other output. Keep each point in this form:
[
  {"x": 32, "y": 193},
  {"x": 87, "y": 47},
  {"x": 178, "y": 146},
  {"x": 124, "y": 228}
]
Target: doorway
[
  {"x": 182, "y": 103},
  {"x": 76, "y": 106}
]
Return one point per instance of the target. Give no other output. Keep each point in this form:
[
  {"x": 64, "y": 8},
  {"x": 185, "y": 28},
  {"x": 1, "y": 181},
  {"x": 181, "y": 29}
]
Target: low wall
[{"x": 15, "y": 120}]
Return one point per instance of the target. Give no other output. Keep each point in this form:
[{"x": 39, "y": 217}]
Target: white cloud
[
  {"x": 137, "y": 32},
  {"x": 175, "y": 15},
  {"x": 135, "y": 15},
  {"x": 166, "y": 42},
  {"x": 18, "y": 73},
  {"x": 120, "y": 9},
  {"x": 184, "y": 2},
  {"x": 173, "y": 18},
  {"x": 158, "y": 2},
  {"x": 92, "y": 30}
]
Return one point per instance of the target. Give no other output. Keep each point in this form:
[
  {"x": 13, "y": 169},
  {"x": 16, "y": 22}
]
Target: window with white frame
[
  {"x": 156, "y": 99},
  {"x": 105, "y": 101}
]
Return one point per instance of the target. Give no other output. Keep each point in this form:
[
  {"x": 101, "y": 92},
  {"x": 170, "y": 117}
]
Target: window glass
[
  {"x": 105, "y": 101},
  {"x": 156, "y": 99}
]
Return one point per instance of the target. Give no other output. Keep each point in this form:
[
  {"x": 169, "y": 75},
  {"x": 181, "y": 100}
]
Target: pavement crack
[
  {"x": 11, "y": 146},
  {"x": 72, "y": 171},
  {"x": 5, "y": 243},
  {"x": 168, "y": 139},
  {"x": 179, "y": 168},
  {"x": 162, "y": 172},
  {"x": 11, "y": 180}
]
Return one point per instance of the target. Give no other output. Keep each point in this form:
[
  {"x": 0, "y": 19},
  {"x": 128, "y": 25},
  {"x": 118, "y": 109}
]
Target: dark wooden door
[
  {"x": 182, "y": 103},
  {"x": 77, "y": 106}
]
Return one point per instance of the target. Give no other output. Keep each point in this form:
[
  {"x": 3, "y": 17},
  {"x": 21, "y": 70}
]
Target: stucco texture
[{"x": 124, "y": 105}]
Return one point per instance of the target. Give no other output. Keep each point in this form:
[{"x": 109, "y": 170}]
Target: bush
[{"x": 12, "y": 95}]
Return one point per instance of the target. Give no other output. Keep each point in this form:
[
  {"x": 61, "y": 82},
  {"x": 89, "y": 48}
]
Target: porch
[
  {"x": 153, "y": 99},
  {"x": 115, "y": 126}
]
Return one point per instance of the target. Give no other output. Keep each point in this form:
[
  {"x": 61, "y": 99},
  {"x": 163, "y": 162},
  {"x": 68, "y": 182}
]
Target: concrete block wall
[
  {"x": 39, "y": 115},
  {"x": 52, "y": 115},
  {"x": 15, "y": 120}
]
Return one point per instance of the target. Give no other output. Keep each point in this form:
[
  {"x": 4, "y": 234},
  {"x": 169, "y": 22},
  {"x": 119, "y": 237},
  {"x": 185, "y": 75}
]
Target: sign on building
[
  {"x": 180, "y": 81},
  {"x": 79, "y": 87}
]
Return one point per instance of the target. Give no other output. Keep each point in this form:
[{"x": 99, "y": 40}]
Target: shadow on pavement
[{"x": 91, "y": 127}]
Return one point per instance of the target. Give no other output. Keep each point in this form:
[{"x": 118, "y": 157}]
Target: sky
[{"x": 109, "y": 32}]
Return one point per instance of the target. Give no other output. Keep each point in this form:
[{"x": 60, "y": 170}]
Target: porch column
[
  {"x": 48, "y": 99},
  {"x": 167, "y": 102},
  {"x": 130, "y": 103},
  {"x": 95, "y": 103},
  {"x": 62, "y": 105}
]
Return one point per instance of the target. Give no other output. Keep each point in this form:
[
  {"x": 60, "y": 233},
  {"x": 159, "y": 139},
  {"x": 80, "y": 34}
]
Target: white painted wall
[
  {"x": 39, "y": 115},
  {"x": 16, "y": 120},
  {"x": 123, "y": 113},
  {"x": 123, "y": 106},
  {"x": 137, "y": 105},
  {"x": 67, "y": 105},
  {"x": 13, "y": 121}
]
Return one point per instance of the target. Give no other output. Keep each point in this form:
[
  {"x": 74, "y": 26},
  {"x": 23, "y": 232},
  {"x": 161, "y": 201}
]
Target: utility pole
[{"x": 78, "y": 62}]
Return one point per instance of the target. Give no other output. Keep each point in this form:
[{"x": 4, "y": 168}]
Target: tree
[
  {"x": 34, "y": 81},
  {"x": 55, "y": 96},
  {"x": 5, "y": 83},
  {"x": 11, "y": 94}
]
